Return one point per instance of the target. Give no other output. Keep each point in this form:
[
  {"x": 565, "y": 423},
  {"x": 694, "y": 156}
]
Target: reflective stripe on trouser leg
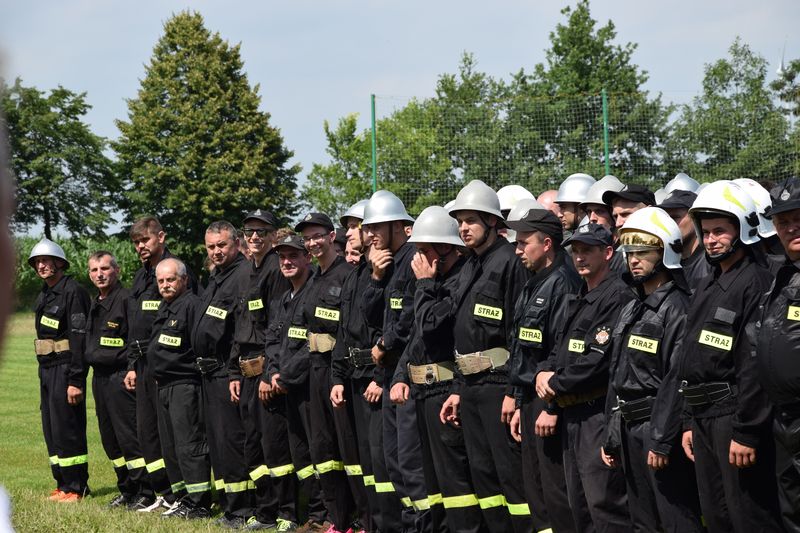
[
  {"x": 259, "y": 472},
  {"x": 119, "y": 462}
]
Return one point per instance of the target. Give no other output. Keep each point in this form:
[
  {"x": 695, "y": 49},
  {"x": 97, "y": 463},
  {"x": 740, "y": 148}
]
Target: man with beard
[{"x": 149, "y": 241}]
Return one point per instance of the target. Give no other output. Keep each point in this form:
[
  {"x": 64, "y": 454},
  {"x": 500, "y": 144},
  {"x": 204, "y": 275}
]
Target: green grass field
[{"x": 24, "y": 469}]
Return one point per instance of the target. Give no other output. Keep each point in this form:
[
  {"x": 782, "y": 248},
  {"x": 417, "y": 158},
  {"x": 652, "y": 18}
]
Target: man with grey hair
[
  {"x": 180, "y": 421},
  {"x": 212, "y": 342}
]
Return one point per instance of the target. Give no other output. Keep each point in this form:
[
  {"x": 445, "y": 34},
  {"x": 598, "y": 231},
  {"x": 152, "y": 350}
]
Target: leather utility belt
[
  {"x": 48, "y": 346},
  {"x": 432, "y": 373},
  {"x": 321, "y": 342},
  {"x": 476, "y": 362},
  {"x": 138, "y": 348},
  {"x": 636, "y": 410},
  {"x": 568, "y": 400},
  {"x": 706, "y": 393},
  {"x": 251, "y": 367},
  {"x": 207, "y": 365},
  {"x": 360, "y": 357}
]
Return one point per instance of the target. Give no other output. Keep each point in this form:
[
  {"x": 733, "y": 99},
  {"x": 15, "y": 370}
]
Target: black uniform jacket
[
  {"x": 696, "y": 267},
  {"x": 169, "y": 352},
  {"x": 488, "y": 288},
  {"x": 322, "y": 302},
  {"x": 61, "y": 313},
  {"x": 582, "y": 353},
  {"x": 720, "y": 345},
  {"x": 539, "y": 315},
  {"x": 778, "y": 353},
  {"x": 107, "y": 333},
  {"x": 354, "y": 331},
  {"x": 213, "y": 332},
  {"x": 432, "y": 332},
  {"x": 647, "y": 343},
  {"x": 286, "y": 346},
  {"x": 258, "y": 286},
  {"x": 389, "y": 304},
  {"x": 143, "y": 304}
]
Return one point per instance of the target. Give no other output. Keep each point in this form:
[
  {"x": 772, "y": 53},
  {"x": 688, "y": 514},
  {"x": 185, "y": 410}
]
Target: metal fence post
[
  {"x": 374, "y": 148},
  {"x": 605, "y": 130}
]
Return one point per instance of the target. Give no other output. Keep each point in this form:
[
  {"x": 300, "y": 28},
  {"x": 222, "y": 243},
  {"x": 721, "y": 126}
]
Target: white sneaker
[{"x": 159, "y": 504}]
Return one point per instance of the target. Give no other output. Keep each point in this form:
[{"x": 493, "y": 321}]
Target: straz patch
[
  {"x": 602, "y": 336},
  {"x": 216, "y": 312},
  {"x": 396, "y": 303},
  {"x": 326, "y": 314},
  {"x": 166, "y": 340},
  {"x": 48, "y": 322},
  {"x": 255, "y": 305},
  {"x": 297, "y": 333},
  {"x": 643, "y": 344},
  {"x": 794, "y": 313},
  {"x": 715, "y": 340},
  {"x": 576, "y": 345},
  {"x": 531, "y": 335},
  {"x": 487, "y": 311},
  {"x": 150, "y": 305},
  {"x": 113, "y": 342}
]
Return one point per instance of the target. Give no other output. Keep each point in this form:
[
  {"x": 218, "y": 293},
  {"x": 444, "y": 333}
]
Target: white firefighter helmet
[{"x": 652, "y": 227}]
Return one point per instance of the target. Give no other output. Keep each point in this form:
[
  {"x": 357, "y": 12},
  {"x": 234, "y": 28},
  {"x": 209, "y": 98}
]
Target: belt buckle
[{"x": 430, "y": 376}]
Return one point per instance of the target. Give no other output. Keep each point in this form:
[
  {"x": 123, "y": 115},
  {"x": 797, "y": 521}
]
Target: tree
[
  {"x": 787, "y": 86},
  {"x": 734, "y": 129},
  {"x": 195, "y": 147},
  {"x": 63, "y": 178},
  {"x": 581, "y": 62},
  {"x": 334, "y": 187}
]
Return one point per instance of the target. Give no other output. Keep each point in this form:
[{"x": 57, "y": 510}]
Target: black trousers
[
  {"x": 267, "y": 454},
  {"x": 786, "y": 428},
  {"x": 658, "y": 500},
  {"x": 447, "y": 470},
  {"x": 295, "y": 405},
  {"x": 147, "y": 434},
  {"x": 403, "y": 455},
  {"x": 591, "y": 485},
  {"x": 543, "y": 473},
  {"x": 183, "y": 436},
  {"x": 495, "y": 459},
  {"x": 385, "y": 504},
  {"x": 226, "y": 440},
  {"x": 734, "y": 499},
  {"x": 344, "y": 420},
  {"x": 116, "y": 417},
  {"x": 64, "y": 428}
]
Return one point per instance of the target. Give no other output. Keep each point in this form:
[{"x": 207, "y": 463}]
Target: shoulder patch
[
  {"x": 602, "y": 335},
  {"x": 540, "y": 301}
]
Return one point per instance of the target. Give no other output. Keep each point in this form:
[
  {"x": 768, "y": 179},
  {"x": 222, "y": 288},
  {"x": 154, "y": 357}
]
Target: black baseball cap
[
  {"x": 315, "y": 219},
  {"x": 262, "y": 215},
  {"x": 785, "y": 197},
  {"x": 678, "y": 199},
  {"x": 592, "y": 234},
  {"x": 538, "y": 220},
  {"x": 292, "y": 241},
  {"x": 341, "y": 236},
  {"x": 633, "y": 193}
]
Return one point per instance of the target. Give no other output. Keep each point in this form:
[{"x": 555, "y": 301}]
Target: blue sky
[{"x": 321, "y": 60}]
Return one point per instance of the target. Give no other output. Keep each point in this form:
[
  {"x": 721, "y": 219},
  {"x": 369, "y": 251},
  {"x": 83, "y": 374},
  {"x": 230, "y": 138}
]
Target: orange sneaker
[
  {"x": 70, "y": 497},
  {"x": 55, "y": 495}
]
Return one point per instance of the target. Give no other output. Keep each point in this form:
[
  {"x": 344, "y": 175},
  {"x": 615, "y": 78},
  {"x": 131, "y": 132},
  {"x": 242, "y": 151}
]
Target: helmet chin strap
[
  {"x": 486, "y": 228},
  {"x": 718, "y": 258},
  {"x": 640, "y": 280}
]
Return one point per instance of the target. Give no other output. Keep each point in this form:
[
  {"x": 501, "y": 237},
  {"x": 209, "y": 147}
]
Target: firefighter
[
  {"x": 539, "y": 313},
  {"x": 61, "y": 313},
  {"x": 576, "y": 378},
  {"x": 730, "y": 416},
  {"x": 181, "y": 425},
  {"x": 643, "y": 389},
  {"x": 778, "y": 343},
  {"x": 212, "y": 342},
  {"x": 488, "y": 286},
  {"x": 107, "y": 354},
  {"x": 427, "y": 368}
]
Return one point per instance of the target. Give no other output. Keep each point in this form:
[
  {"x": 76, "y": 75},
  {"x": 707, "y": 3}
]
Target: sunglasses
[{"x": 258, "y": 231}]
